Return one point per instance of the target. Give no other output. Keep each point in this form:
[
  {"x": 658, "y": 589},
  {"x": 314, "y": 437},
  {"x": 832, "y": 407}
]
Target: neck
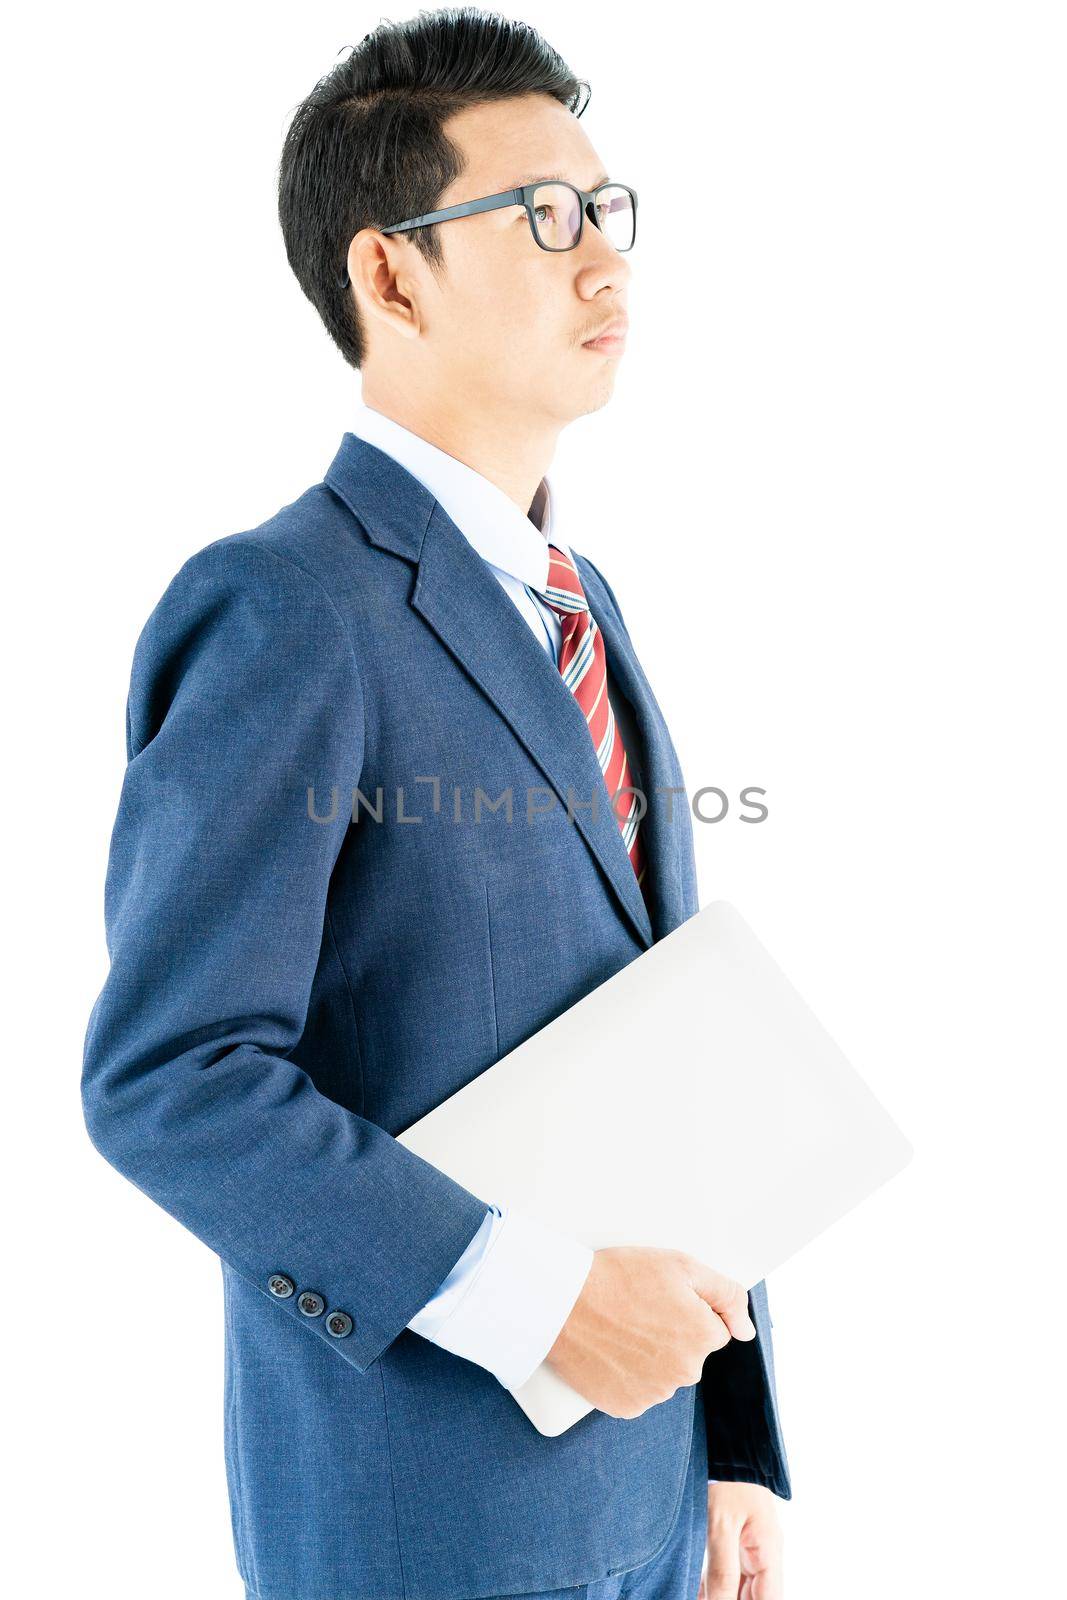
[{"x": 514, "y": 458}]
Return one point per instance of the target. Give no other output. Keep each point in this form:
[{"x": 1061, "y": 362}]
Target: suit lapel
[
  {"x": 654, "y": 762},
  {"x": 459, "y": 598},
  {"x": 465, "y": 606}
]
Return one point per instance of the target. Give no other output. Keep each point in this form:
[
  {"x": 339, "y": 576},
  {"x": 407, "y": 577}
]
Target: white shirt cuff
[{"x": 521, "y": 1294}]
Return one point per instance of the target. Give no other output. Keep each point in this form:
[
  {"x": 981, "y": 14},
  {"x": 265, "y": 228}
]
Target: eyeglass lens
[{"x": 557, "y": 215}]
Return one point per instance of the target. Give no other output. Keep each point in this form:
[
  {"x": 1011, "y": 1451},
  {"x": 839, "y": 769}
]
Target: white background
[{"x": 829, "y": 494}]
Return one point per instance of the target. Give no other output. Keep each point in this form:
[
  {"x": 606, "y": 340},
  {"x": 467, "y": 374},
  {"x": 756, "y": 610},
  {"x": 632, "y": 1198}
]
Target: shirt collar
[{"x": 482, "y": 512}]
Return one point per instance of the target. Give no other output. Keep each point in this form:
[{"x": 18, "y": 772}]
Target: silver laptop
[{"x": 729, "y": 1125}]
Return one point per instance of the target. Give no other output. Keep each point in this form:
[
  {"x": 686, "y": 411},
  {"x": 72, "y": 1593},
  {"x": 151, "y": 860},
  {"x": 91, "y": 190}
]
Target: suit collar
[
  {"x": 513, "y": 541},
  {"x": 390, "y": 504},
  {"x": 460, "y": 599}
]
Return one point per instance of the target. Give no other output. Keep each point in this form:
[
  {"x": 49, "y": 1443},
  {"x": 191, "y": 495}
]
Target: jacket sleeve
[
  {"x": 244, "y": 695},
  {"x": 738, "y": 1383}
]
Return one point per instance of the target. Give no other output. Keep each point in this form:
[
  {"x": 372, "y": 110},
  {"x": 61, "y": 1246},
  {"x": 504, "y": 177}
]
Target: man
[{"x": 324, "y": 915}]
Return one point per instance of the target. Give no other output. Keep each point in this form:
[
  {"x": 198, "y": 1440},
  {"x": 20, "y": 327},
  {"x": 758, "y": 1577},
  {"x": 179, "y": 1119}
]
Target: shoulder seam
[
  {"x": 287, "y": 561},
  {"x": 239, "y": 540}
]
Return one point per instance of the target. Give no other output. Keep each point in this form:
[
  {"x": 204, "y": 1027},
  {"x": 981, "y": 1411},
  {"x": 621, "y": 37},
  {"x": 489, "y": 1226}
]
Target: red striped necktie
[{"x": 583, "y": 667}]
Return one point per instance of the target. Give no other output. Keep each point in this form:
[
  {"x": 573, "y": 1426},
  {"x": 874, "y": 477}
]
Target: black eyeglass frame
[{"x": 522, "y": 197}]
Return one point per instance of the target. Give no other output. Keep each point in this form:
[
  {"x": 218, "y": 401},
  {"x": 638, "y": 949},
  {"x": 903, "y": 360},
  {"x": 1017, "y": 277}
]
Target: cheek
[
  {"x": 512, "y": 309},
  {"x": 507, "y": 323}
]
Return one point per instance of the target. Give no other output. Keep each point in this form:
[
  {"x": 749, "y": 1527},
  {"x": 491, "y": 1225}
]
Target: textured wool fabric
[
  {"x": 290, "y": 988},
  {"x": 673, "y": 1571}
]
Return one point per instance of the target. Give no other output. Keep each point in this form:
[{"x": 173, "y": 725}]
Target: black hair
[{"x": 366, "y": 149}]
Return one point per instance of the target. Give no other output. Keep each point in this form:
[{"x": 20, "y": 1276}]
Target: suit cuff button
[{"x": 339, "y": 1323}]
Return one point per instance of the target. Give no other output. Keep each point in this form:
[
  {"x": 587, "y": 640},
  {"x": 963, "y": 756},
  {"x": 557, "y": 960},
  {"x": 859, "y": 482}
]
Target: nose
[
  {"x": 591, "y": 216},
  {"x": 600, "y": 264},
  {"x": 596, "y": 247}
]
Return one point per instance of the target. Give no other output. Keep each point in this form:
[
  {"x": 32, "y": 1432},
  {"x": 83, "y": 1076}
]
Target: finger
[
  {"x": 766, "y": 1585},
  {"x": 724, "y": 1564},
  {"x": 761, "y": 1551},
  {"x": 726, "y": 1296},
  {"x": 716, "y": 1334}
]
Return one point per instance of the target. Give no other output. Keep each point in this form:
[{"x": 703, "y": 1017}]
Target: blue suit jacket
[{"x": 289, "y": 990}]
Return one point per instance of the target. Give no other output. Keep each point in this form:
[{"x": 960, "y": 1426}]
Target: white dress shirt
[{"x": 509, "y": 1294}]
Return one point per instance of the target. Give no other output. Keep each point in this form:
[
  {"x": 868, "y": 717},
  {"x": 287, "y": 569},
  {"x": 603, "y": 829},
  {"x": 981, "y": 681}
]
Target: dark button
[
  {"x": 280, "y": 1285},
  {"x": 311, "y": 1304},
  {"x": 338, "y": 1323}
]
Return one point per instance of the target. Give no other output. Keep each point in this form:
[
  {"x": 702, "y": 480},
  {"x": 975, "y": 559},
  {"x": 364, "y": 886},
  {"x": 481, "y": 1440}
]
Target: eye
[{"x": 538, "y": 209}]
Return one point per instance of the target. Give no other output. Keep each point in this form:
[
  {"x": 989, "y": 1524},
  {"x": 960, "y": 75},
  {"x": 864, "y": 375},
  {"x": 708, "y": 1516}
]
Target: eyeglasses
[{"x": 556, "y": 213}]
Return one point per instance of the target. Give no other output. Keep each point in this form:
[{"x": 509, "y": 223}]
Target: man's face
[{"x": 506, "y": 322}]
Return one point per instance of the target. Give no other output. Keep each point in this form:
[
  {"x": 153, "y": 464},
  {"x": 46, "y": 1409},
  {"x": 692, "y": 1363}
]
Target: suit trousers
[{"x": 673, "y": 1571}]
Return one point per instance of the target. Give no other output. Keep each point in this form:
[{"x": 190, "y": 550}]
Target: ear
[{"x": 386, "y": 281}]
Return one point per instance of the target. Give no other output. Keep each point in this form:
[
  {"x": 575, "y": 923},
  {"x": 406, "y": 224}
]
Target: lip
[{"x": 612, "y": 337}]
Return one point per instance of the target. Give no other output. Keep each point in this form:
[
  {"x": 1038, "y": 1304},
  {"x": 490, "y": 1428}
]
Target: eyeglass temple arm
[{"x": 492, "y": 202}]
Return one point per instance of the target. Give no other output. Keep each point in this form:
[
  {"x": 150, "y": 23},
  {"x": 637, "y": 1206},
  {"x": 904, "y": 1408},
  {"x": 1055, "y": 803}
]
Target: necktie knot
[{"x": 563, "y": 588}]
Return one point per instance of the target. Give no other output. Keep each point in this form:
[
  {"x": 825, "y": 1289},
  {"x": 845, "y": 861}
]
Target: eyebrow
[{"x": 552, "y": 177}]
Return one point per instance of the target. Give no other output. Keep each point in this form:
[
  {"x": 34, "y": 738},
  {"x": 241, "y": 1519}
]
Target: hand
[
  {"x": 744, "y": 1554},
  {"x": 642, "y": 1326}
]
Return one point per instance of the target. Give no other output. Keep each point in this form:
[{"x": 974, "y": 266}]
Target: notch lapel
[
  {"x": 465, "y": 606},
  {"x": 654, "y": 761},
  {"x": 459, "y": 598}
]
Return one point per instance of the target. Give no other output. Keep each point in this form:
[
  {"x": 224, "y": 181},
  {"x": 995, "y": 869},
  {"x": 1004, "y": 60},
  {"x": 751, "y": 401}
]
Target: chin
[
  {"x": 599, "y": 393},
  {"x": 566, "y": 402}
]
